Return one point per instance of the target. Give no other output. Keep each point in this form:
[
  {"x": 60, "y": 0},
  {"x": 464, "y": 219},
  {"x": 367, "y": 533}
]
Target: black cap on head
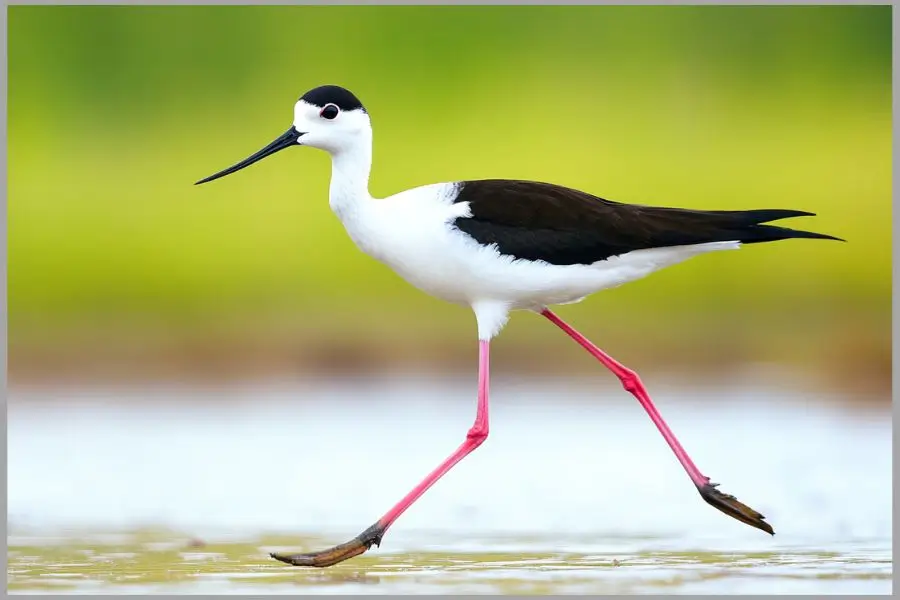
[{"x": 333, "y": 94}]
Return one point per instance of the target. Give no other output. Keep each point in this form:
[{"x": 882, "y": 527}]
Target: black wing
[{"x": 563, "y": 226}]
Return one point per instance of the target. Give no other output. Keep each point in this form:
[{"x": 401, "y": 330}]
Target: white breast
[{"x": 410, "y": 233}]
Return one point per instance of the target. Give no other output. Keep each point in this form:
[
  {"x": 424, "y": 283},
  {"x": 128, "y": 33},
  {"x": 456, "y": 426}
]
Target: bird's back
[{"x": 563, "y": 226}]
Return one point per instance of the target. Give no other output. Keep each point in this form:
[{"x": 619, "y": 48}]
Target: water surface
[{"x": 176, "y": 490}]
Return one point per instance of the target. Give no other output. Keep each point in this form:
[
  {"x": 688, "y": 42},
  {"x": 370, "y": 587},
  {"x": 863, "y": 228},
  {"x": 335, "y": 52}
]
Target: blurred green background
[{"x": 121, "y": 269}]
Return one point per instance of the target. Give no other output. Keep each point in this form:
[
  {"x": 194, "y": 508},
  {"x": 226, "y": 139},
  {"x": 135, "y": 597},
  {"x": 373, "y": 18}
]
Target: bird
[{"x": 502, "y": 245}]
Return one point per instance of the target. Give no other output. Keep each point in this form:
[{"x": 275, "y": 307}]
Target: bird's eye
[{"x": 329, "y": 112}]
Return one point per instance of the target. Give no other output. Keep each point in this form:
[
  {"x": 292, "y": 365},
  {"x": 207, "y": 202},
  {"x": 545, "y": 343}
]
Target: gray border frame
[{"x": 895, "y": 361}]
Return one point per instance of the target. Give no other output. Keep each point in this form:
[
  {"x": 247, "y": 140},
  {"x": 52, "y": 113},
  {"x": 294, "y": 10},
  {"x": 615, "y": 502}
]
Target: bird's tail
[{"x": 749, "y": 225}]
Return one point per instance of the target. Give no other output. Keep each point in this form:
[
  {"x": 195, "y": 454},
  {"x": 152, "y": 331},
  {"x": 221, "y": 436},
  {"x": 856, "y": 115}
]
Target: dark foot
[
  {"x": 341, "y": 552},
  {"x": 730, "y": 505}
]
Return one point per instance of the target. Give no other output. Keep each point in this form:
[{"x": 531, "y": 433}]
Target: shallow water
[{"x": 174, "y": 490}]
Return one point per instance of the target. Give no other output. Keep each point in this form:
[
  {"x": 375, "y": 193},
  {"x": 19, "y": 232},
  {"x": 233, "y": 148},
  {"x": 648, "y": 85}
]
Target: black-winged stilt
[{"x": 501, "y": 245}]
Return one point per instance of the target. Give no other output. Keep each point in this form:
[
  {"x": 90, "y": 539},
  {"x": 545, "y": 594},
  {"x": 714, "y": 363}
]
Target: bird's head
[{"x": 328, "y": 117}]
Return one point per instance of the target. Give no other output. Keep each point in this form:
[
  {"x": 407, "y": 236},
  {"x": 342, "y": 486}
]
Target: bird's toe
[{"x": 733, "y": 507}]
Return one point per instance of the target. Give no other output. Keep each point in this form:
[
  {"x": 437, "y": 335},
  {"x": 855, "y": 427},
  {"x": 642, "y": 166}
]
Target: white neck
[{"x": 350, "y": 169}]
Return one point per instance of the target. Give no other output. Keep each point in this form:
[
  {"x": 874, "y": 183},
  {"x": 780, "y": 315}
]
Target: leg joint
[
  {"x": 477, "y": 435},
  {"x": 630, "y": 381}
]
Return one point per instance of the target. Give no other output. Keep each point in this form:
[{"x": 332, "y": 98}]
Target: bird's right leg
[
  {"x": 372, "y": 536},
  {"x": 726, "y": 503}
]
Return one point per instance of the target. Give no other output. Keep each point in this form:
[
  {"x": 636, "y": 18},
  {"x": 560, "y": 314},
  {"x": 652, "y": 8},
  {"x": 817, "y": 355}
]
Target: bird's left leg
[{"x": 726, "y": 503}]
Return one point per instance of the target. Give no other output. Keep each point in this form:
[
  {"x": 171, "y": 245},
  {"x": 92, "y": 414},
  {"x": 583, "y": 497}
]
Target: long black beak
[{"x": 289, "y": 138}]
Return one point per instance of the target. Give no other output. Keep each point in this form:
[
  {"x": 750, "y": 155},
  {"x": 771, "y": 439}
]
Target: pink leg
[
  {"x": 372, "y": 536},
  {"x": 632, "y": 383},
  {"x": 474, "y": 438}
]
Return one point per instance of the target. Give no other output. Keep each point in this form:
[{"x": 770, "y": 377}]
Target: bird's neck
[{"x": 350, "y": 170}]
